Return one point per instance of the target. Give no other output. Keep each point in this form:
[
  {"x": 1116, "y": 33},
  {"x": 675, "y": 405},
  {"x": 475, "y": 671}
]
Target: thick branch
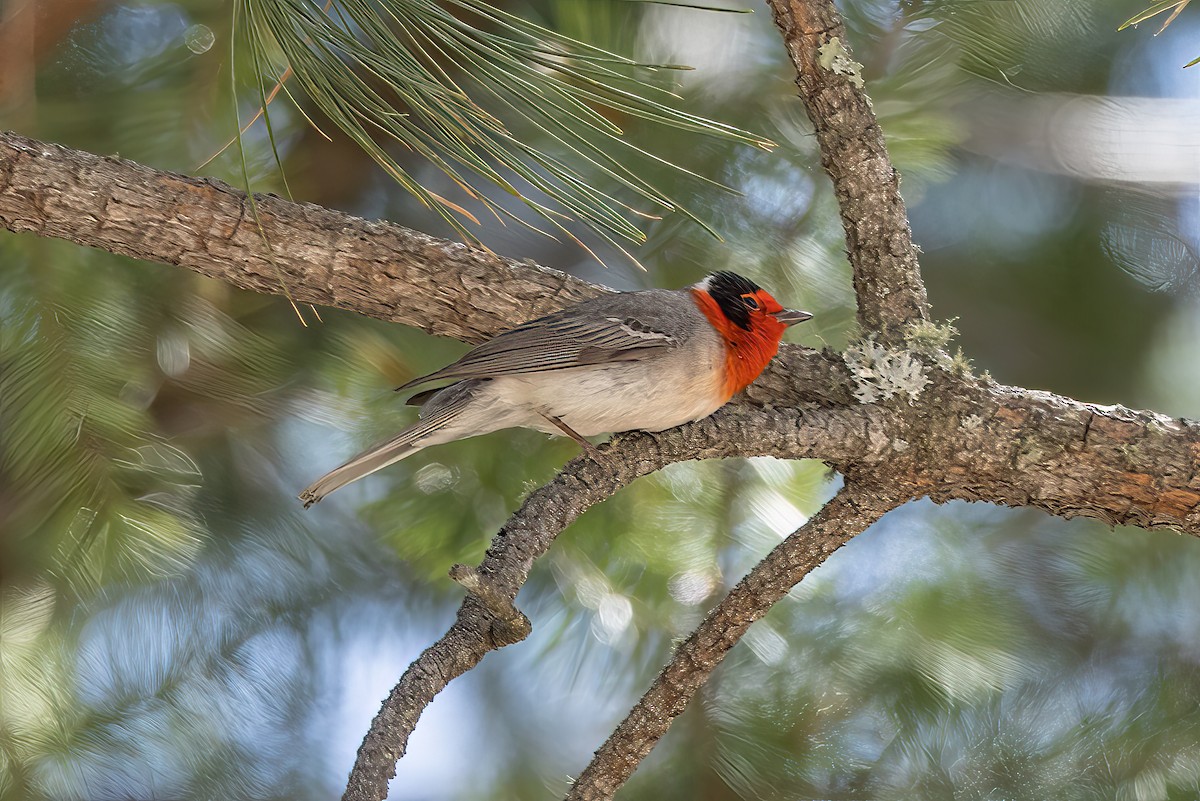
[
  {"x": 1022, "y": 447},
  {"x": 887, "y": 278},
  {"x": 979, "y": 442},
  {"x": 320, "y": 255},
  {"x": 849, "y": 513},
  {"x": 483, "y": 626}
]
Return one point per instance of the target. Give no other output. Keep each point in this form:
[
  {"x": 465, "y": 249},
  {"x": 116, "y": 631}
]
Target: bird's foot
[{"x": 588, "y": 447}]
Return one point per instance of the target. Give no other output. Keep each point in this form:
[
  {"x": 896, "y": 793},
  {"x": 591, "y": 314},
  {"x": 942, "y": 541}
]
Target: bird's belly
[{"x": 615, "y": 397}]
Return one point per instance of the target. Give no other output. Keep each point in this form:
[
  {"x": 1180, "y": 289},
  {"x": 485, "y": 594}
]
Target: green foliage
[
  {"x": 468, "y": 87},
  {"x": 173, "y": 625},
  {"x": 92, "y": 490},
  {"x": 1176, "y": 8}
]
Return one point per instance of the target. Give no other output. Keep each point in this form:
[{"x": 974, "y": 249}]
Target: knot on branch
[{"x": 510, "y": 624}]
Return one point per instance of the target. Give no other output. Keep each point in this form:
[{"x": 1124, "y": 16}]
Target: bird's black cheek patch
[
  {"x": 736, "y": 311},
  {"x": 727, "y": 290}
]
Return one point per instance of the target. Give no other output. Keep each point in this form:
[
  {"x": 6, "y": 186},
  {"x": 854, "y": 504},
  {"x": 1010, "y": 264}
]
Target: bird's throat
[{"x": 747, "y": 353}]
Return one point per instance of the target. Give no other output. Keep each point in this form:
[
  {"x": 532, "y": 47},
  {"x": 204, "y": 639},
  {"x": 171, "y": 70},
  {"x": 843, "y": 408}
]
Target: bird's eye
[{"x": 750, "y": 301}]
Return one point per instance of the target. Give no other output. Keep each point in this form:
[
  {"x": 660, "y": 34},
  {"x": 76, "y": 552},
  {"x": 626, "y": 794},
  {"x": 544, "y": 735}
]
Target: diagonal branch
[
  {"x": 320, "y": 255},
  {"x": 887, "y": 278},
  {"x": 488, "y": 620},
  {"x": 848, "y": 514}
]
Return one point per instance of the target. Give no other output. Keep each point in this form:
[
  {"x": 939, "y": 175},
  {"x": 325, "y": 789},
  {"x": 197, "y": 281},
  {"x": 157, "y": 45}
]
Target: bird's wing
[{"x": 570, "y": 338}]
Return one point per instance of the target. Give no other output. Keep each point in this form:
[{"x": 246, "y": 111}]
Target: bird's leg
[{"x": 588, "y": 447}]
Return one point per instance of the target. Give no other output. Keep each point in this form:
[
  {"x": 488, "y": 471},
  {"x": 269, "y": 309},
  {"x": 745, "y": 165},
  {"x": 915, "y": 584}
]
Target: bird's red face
[{"x": 749, "y": 319}]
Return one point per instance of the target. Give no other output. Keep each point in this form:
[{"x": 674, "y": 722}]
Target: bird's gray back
[{"x": 612, "y": 328}]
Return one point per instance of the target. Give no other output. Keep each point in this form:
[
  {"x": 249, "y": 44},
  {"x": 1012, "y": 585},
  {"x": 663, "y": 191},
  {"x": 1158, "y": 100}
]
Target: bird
[{"x": 647, "y": 360}]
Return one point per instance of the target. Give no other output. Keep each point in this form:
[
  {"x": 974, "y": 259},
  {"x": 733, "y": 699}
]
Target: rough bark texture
[
  {"x": 488, "y": 620},
  {"x": 946, "y": 436},
  {"x": 959, "y": 438},
  {"x": 317, "y": 255},
  {"x": 887, "y": 278},
  {"x": 1022, "y": 447}
]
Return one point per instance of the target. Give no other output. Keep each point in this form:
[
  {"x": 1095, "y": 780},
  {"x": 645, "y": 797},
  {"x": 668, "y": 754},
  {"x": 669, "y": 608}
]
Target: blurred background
[{"x": 174, "y": 626}]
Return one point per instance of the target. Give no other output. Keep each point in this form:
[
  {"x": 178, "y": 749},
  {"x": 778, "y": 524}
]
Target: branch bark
[
  {"x": 848, "y": 514},
  {"x": 887, "y": 277},
  {"x": 1021, "y": 447},
  {"x": 317, "y": 255},
  {"x": 488, "y": 619},
  {"x": 958, "y": 438}
]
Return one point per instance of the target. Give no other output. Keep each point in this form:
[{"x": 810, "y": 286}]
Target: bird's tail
[
  {"x": 437, "y": 416},
  {"x": 362, "y": 465}
]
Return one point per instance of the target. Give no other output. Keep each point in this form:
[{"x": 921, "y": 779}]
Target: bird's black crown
[{"x": 728, "y": 289}]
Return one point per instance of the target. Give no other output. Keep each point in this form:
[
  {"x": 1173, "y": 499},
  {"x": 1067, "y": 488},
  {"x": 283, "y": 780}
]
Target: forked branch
[
  {"x": 953, "y": 436},
  {"x": 488, "y": 620}
]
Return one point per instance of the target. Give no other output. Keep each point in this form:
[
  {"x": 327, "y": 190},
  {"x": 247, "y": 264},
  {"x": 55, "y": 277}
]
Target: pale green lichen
[
  {"x": 960, "y": 365},
  {"x": 881, "y": 373},
  {"x": 834, "y": 57},
  {"x": 928, "y": 337},
  {"x": 932, "y": 340}
]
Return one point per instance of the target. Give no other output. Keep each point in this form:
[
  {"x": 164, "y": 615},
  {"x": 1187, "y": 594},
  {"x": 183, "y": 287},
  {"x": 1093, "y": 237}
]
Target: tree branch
[
  {"x": 887, "y": 278},
  {"x": 1022, "y": 447},
  {"x": 488, "y": 620},
  {"x": 319, "y": 255},
  {"x": 848, "y": 514},
  {"x": 978, "y": 441},
  {"x": 957, "y": 438}
]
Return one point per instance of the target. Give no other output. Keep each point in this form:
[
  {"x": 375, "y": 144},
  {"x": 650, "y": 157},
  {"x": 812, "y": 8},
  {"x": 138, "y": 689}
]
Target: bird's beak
[{"x": 790, "y": 317}]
